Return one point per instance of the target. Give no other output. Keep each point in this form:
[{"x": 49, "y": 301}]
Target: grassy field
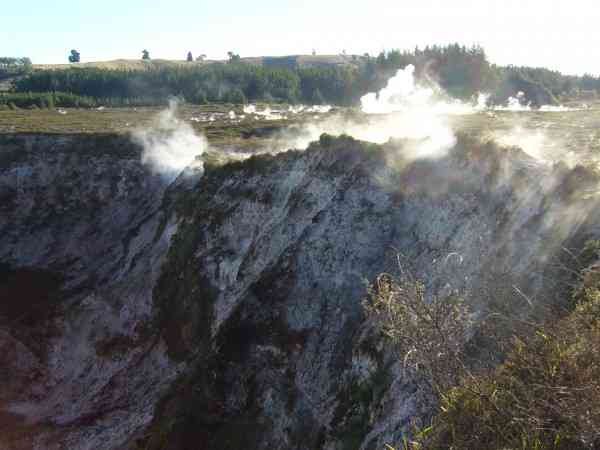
[
  {"x": 69, "y": 120},
  {"x": 227, "y": 125},
  {"x": 223, "y": 125}
]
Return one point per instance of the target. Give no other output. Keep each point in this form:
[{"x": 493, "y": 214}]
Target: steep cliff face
[
  {"x": 224, "y": 311},
  {"x": 264, "y": 281},
  {"x": 79, "y": 254}
]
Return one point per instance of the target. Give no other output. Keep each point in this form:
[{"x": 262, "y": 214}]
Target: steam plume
[
  {"x": 402, "y": 109},
  {"x": 403, "y": 94},
  {"x": 170, "y": 145}
]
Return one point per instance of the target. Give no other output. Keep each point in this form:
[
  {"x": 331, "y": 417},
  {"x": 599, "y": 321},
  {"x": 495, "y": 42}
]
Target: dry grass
[
  {"x": 121, "y": 64},
  {"x": 248, "y": 133},
  {"x": 429, "y": 334},
  {"x": 544, "y": 395}
]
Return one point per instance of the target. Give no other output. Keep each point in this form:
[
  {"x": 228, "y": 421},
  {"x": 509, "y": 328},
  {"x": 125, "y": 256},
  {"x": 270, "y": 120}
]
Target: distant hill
[
  {"x": 291, "y": 61},
  {"x": 131, "y": 64},
  {"x": 304, "y": 61}
]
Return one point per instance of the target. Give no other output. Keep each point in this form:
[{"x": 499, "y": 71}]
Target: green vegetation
[
  {"x": 461, "y": 71},
  {"x": 353, "y": 415},
  {"x": 215, "y": 83},
  {"x": 545, "y": 393},
  {"x": 44, "y": 100},
  {"x": 14, "y": 67},
  {"x": 233, "y": 57},
  {"x": 74, "y": 57},
  {"x": 464, "y": 71}
]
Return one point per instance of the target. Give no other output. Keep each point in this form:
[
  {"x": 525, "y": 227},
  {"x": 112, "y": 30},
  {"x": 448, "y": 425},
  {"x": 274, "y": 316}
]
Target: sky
[{"x": 558, "y": 34}]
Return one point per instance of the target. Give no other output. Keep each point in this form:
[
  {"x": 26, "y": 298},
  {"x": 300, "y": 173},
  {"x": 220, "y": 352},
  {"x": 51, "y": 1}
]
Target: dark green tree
[
  {"x": 233, "y": 57},
  {"x": 74, "y": 57},
  {"x": 145, "y": 54},
  {"x": 190, "y": 58}
]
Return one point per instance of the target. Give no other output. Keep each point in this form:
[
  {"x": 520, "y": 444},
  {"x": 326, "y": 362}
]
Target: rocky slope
[
  {"x": 224, "y": 311},
  {"x": 81, "y": 212}
]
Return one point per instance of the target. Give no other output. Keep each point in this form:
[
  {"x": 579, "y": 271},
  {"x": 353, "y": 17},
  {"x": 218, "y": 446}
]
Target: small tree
[
  {"x": 201, "y": 58},
  {"x": 233, "y": 57},
  {"x": 190, "y": 58},
  {"x": 74, "y": 57},
  {"x": 145, "y": 55}
]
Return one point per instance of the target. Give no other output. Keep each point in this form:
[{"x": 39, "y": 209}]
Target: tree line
[
  {"x": 11, "y": 67},
  {"x": 461, "y": 71},
  {"x": 214, "y": 83},
  {"x": 465, "y": 71},
  {"x": 30, "y": 100}
]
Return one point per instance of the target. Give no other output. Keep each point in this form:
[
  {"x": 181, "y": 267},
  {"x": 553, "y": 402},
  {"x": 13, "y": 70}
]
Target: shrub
[
  {"x": 545, "y": 394},
  {"x": 430, "y": 334},
  {"x": 45, "y": 100}
]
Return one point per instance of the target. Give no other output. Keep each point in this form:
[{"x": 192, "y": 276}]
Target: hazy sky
[{"x": 559, "y": 34}]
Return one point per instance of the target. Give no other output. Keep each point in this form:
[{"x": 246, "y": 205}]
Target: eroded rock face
[
  {"x": 80, "y": 221},
  {"x": 235, "y": 298},
  {"x": 280, "y": 249}
]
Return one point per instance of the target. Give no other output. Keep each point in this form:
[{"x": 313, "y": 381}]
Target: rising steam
[
  {"x": 401, "y": 110},
  {"x": 405, "y": 109},
  {"x": 170, "y": 145},
  {"x": 403, "y": 94},
  {"x": 515, "y": 104}
]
